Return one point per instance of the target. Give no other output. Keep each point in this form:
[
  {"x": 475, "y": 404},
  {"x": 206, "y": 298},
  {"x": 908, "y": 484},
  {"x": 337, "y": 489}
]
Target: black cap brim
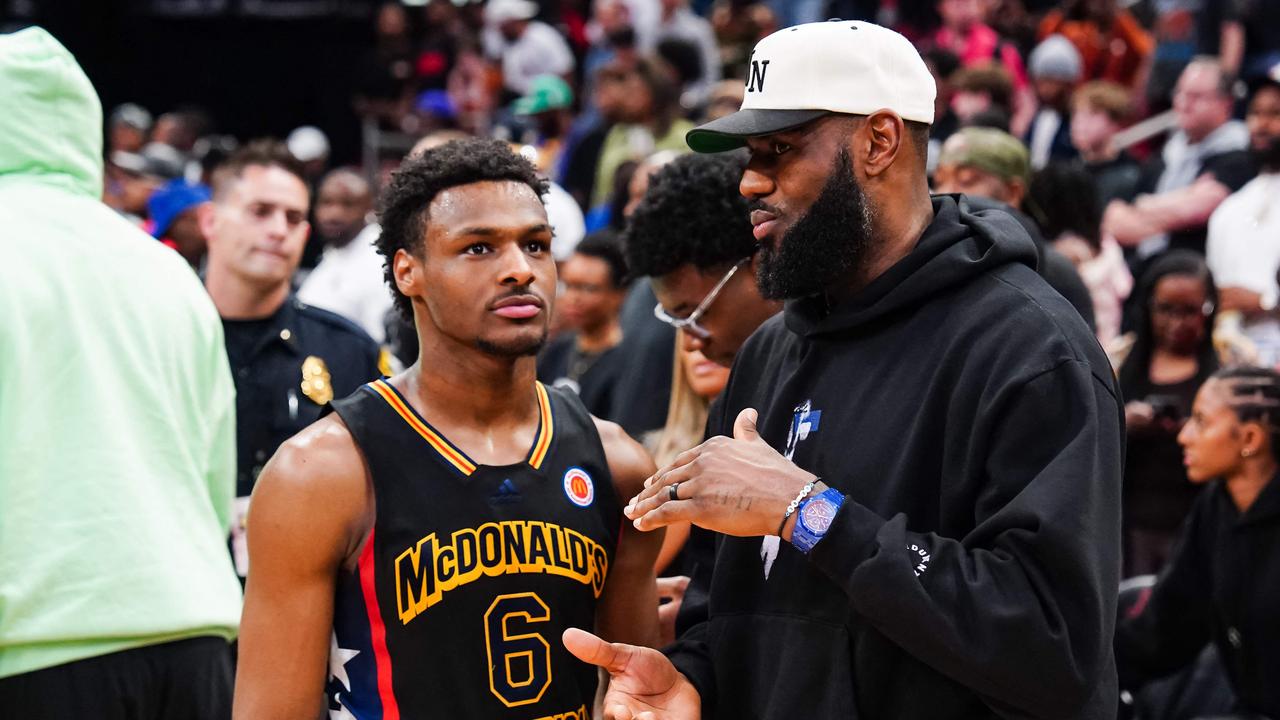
[{"x": 731, "y": 131}]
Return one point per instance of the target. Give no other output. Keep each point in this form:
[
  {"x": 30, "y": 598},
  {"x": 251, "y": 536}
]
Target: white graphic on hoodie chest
[{"x": 804, "y": 422}]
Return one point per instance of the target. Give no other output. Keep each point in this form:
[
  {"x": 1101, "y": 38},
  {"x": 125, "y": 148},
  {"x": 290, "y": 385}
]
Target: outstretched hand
[
  {"x": 643, "y": 685},
  {"x": 736, "y": 486}
]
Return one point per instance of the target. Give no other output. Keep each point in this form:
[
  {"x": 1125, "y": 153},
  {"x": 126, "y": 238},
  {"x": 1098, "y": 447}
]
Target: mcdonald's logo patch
[{"x": 578, "y": 486}]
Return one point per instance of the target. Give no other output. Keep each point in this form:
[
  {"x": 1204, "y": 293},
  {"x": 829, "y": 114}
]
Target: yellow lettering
[
  {"x": 425, "y": 572},
  {"x": 415, "y": 580}
]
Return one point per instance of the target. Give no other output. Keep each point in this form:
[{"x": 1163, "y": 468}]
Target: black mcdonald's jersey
[{"x": 472, "y": 572}]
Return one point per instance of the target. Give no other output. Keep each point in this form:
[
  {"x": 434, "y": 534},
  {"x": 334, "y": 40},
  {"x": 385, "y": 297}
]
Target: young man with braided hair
[
  {"x": 1223, "y": 583},
  {"x": 429, "y": 541}
]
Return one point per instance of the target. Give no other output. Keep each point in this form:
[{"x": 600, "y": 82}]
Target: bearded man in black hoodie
[{"x": 921, "y": 487}]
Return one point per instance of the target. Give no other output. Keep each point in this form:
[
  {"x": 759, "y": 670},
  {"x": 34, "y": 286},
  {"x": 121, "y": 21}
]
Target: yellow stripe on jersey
[
  {"x": 442, "y": 446},
  {"x": 545, "y": 430}
]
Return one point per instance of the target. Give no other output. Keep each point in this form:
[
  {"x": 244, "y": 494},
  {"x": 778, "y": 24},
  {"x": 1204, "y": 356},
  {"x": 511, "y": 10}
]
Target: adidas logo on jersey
[{"x": 506, "y": 494}]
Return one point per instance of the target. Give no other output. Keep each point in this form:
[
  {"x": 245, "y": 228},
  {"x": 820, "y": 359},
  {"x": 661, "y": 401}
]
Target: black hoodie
[{"x": 974, "y": 424}]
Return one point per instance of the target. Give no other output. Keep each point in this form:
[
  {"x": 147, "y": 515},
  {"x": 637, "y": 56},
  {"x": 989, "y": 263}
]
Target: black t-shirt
[
  {"x": 1157, "y": 493},
  {"x": 648, "y": 344},
  {"x": 1116, "y": 179},
  {"x": 592, "y": 376},
  {"x": 1233, "y": 169}
]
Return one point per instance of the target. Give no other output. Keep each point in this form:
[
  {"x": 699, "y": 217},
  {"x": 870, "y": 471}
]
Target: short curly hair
[
  {"x": 692, "y": 213},
  {"x": 607, "y": 246},
  {"x": 403, "y": 208}
]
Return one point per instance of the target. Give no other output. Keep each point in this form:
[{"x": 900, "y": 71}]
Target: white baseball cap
[
  {"x": 500, "y": 11},
  {"x": 801, "y": 73}
]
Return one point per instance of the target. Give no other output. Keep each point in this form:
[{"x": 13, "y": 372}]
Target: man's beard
[
  {"x": 341, "y": 238},
  {"x": 523, "y": 347},
  {"x": 1269, "y": 156},
  {"x": 825, "y": 245}
]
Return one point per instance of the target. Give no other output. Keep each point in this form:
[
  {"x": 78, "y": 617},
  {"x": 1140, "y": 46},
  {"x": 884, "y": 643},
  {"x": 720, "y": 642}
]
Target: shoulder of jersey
[
  {"x": 564, "y": 395},
  {"x": 333, "y": 322}
]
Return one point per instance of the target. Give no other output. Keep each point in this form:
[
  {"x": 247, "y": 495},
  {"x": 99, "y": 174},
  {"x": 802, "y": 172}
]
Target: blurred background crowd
[{"x": 1137, "y": 142}]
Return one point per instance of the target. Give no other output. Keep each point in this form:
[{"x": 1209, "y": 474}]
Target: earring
[{"x": 1246, "y": 453}]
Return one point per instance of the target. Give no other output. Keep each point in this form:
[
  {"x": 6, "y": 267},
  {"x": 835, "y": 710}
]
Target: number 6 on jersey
[{"x": 519, "y": 663}]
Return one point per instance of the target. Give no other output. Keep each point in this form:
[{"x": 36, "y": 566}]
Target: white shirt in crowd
[
  {"x": 349, "y": 281},
  {"x": 566, "y": 220},
  {"x": 539, "y": 51},
  {"x": 1243, "y": 250},
  {"x": 1043, "y": 130}
]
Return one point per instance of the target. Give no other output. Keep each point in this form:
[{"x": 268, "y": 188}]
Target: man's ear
[
  {"x": 1017, "y": 190},
  {"x": 885, "y": 137},
  {"x": 207, "y": 220},
  {"x": 405, "y": 269},
  {"x": 1254, "y": 439}
]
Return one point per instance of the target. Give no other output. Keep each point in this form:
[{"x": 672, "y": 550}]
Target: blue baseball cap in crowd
[
  {"x": 171, "y": 200},
  {"x": 436, "y": 103}
]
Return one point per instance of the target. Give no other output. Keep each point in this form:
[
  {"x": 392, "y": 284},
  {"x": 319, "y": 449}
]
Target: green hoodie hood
[{"x": 51, "y": 125}]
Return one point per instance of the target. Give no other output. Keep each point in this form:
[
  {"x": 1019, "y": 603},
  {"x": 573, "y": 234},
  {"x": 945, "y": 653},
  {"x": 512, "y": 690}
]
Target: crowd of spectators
[{"x": 1138, "y": 144}]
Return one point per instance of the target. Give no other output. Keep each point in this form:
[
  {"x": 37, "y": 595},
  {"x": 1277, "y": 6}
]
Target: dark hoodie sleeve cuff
[
  {"x": 849, "y": 542},
  {"x": 692, "y": 656}
]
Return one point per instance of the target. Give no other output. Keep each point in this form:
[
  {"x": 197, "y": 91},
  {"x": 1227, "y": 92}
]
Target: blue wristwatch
[{"x": 813, "y": 517}]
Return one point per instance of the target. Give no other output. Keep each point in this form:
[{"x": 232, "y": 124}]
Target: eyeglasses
[{"x": 690, "y": 324}]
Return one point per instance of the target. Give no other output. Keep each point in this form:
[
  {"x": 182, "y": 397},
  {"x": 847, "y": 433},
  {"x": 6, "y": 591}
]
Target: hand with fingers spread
[
  {"x": 736, "y": 486},
  {"x": 643, "y": 684}
]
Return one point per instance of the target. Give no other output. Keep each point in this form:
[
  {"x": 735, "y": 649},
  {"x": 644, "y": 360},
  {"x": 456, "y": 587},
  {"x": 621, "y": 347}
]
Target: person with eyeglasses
[
  {"x": 691, "y": 235},
  {"x": 1161, "y": 365},
  {"x": 917, "y": 473}
]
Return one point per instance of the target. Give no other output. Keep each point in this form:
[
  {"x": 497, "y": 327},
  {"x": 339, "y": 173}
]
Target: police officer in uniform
[{"x": 288, "y": 359}]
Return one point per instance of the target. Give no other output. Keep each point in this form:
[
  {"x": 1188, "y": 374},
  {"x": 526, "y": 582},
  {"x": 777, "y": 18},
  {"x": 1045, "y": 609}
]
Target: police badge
[{"x": 316, "y": 383}]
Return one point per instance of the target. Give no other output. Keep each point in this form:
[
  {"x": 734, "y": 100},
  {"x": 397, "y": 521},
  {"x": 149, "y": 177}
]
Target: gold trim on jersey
[
  {"x": 545, "y": 429},
  {"x": 433, "y": 567},
  {"x": 454, "y": 456}
]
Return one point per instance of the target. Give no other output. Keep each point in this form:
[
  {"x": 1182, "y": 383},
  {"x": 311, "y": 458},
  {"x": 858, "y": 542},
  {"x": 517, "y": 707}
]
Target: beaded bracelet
[{"x": 791, "y": 509}]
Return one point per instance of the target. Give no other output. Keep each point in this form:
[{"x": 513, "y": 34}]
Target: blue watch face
[{"x": 817, "y": 515}]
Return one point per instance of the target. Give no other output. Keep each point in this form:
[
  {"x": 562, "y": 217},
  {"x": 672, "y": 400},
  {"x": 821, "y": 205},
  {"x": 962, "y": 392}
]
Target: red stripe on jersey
[{"x": 377, "y": 633}]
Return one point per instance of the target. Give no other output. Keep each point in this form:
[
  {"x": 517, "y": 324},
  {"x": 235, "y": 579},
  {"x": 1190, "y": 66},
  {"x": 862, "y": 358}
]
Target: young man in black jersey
[{"x": 429, "y": 542}]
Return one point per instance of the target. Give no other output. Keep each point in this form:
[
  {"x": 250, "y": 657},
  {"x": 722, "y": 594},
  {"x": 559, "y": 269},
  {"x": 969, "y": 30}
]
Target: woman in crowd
[
  {"x": 1161, "y": 366},
  {"x": 1222, "y": 582},
  {"x": 1064, "y": 201},
  {"x": 695, "y": 382}
]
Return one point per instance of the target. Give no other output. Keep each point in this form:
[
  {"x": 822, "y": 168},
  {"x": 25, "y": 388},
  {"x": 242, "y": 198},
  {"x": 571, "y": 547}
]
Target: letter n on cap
[{"x": 756, "y": 82}]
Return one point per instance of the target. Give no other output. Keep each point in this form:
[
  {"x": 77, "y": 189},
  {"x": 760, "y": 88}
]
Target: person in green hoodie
[{"x": 117, "y": 431}]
